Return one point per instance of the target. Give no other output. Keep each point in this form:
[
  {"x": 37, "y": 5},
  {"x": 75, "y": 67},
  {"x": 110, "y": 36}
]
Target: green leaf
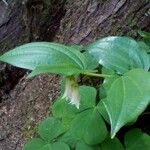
[
  {"x": 47, "y": 147},
  {"x": 55, "y": 146},
  {"x": 87, "y": 97},
  {"x": 144, "y": 49},
  {"x": 127, "y": 98},
  {"x": 107, "y": 71},
  {"x": 117, "y": 53},
  {"x": 30, "y": 55},
  {"x": 92, "y": 63},
  {"x": 110, "y": 144},
  {"x": 69, "y": 138},
  {"x": 102, "y": 110},
  {"x": 64, "y": 69},
  {"x": 60, "y": 146},
  {"x": 62, "y": 108},
  {"x": 84, "y": 146},
  {"x": 34, "y": 144},
  {"x": 104, "y": 88},
  {"x": 77, "y": 47},
  {"x": 89, "y": 126},
  {"x": 136, "y": 140},
  {"x": 39, "y": 144},
  {"x": 50, "y": 129}
]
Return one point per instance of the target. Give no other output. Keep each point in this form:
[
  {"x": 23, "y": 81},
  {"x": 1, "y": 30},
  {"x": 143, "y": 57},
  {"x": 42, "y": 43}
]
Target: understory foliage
[{"x": 86, "y": 118}]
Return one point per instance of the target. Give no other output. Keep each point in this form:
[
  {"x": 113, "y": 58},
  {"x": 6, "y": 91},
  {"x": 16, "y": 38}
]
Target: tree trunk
[
  {"x": 76, "y": 22},
  {"x": 87, "y": 20}
]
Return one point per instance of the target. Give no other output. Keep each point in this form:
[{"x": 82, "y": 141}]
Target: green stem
[{"x": 96, "y": 75}]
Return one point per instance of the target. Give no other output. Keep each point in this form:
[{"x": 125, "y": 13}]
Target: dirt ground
[{"x": 24, "y": 107}]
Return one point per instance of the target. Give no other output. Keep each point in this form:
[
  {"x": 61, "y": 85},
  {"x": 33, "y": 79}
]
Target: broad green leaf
[
  {"x": 34, "y": 144},
  {"x": 104, "y": 88},
  {"x": 50, "y": 129},
  {"x": 92, "y": 63},
  {"x": 127, "y": 98},
  {"x": 102, "y": 110},
  {"x": 69, "y": 139},
  {"x": 112, "y": 144},
  {"x": 107, "y": 71},
  {"x": 64, "y": 69},
  {"x": 89, "y": 126},
  {"x": 88, "y": 97},
  {"x": 117, "y": 53},
  {"x": 47, "y": 147},
  {"x": 55, "y": 146},
  {"x": 144, "y": 49},
  {"x": 62, "y": 108},
  {"x": 77, "y": 47},
  {"x": 60, "y": 146},
  {"x": 136, "y": 140},
  {"x": 84, "y": 146},
  {"x": 30, "y": 55}
]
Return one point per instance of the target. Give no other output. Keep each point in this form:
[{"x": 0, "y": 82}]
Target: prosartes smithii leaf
[
  {"x": 111, "y": 144},
  {"x": 136, "y": 140},
  {"x": 39, "y": 144},
  {"x": 89, "y": 126},
  {"x": 127, "y": 98},
  {"x": 30, "y": 55},
  {"x": 50, "y": 129},
  {"x": 120, "y": 54}
]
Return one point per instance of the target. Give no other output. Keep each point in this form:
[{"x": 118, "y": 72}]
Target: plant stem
[{"x": 96, "y": 75}]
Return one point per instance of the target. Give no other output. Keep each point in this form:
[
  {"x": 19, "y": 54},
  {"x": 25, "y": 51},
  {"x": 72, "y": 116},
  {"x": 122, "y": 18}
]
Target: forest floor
[{"x": 24, "y": 107}]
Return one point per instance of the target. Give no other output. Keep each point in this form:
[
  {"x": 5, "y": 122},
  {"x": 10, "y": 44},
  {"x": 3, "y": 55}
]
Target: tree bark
[
  {"x": 23, "y": 21},
  {"x": 87, "y": 20}
]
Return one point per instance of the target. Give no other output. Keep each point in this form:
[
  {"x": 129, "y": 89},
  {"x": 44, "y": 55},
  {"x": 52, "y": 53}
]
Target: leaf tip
[
  {"x": 113, "y": 135},
  {"x": 114, "y": 131}
]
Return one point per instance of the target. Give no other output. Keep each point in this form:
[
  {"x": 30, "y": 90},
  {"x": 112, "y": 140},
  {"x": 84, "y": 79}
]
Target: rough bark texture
[
  {"x": 23, "y": 21},
  {"x": 87, "y": 20}
]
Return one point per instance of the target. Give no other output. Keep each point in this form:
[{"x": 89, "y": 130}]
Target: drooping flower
[{"x": 72, "y": 91}]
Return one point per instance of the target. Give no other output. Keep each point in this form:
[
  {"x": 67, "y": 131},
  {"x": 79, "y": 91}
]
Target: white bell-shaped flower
[{"x": 72, "y": 91}]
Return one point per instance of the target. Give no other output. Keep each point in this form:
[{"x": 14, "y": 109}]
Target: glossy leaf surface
[
  {"x": 117, "y": 53},
  {"x": 30, "y": 55},
  {"x": 127, "y": 98}
]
